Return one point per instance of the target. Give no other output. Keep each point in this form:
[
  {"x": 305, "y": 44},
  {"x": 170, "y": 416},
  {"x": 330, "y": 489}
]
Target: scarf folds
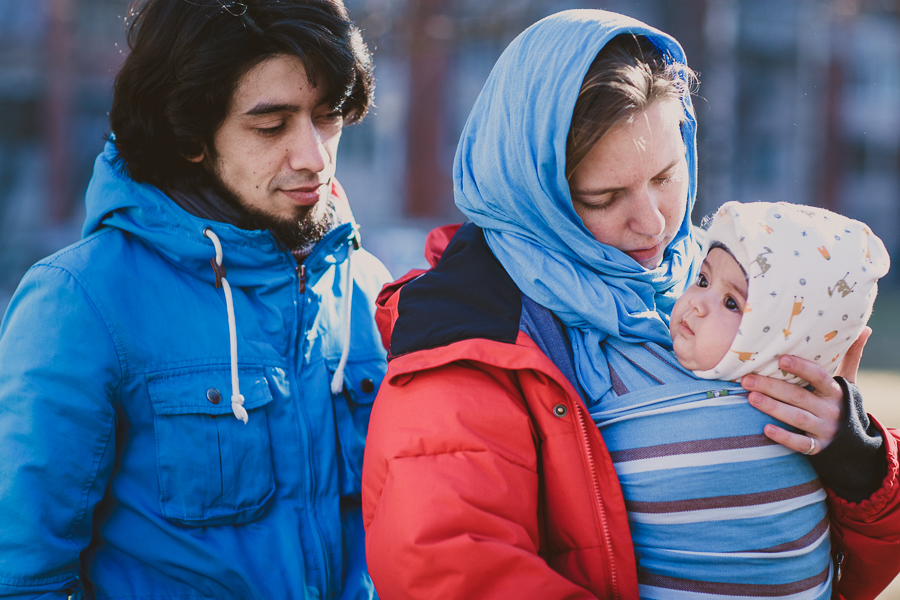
[{"x": 509, "y": 179}]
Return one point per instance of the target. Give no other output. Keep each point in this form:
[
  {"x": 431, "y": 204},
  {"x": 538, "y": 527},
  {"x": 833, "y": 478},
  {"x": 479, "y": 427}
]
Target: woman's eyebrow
[
  {"x": 669, "y": 166},
  {"x": 599, "y": 192}
]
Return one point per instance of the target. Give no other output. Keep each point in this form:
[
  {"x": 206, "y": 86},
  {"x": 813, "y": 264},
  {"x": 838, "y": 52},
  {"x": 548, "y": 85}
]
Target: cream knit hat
[{"x": 812, "y": 279}]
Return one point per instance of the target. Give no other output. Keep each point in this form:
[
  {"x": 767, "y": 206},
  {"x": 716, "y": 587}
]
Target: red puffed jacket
[{"x": 485, "y": 477}]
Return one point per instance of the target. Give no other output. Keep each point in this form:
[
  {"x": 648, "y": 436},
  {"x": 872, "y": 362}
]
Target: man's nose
[
  {"x": 646, "y": 218},
  {"x": 306, "y": 150}
]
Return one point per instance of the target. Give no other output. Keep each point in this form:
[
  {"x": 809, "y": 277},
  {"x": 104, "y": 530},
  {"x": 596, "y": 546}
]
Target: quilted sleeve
[{"x": 868, "y": 532}]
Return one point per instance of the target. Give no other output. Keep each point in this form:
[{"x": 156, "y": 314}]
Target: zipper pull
[{"x": 301, "y": 276}]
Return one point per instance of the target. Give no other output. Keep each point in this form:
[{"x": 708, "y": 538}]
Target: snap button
[
  {"x": 213, "y": 395},
  {"x": 367, "y": 386},
  {"x": 560, "y": 410}
]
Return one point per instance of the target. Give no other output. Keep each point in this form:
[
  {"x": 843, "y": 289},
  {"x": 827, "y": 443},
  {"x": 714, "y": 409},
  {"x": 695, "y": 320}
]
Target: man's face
[
  {"x": 706, "y": 317},
  {"x": 276, "y": 149}
]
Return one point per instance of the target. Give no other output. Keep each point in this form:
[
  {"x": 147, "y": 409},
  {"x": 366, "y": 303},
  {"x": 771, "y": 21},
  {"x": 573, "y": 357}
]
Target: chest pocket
[
  {"x": 213, "y": 469},
  {"x": 352, "y": 408}
]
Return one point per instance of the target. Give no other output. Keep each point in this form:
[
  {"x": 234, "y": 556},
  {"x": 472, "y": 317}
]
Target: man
[{"x": 184, "y": 394}]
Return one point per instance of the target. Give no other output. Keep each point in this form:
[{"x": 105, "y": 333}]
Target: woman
[{"x": 484, "y": 475}]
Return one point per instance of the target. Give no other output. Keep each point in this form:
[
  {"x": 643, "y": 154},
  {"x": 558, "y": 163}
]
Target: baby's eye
[
  {"x": 701, "y": 281},
  {"x": 731, "y": 304}
]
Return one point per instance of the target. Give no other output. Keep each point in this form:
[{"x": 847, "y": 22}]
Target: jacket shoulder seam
[{"x": 93, "y": 299}]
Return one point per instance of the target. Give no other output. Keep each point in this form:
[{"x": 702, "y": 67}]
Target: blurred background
[{"x": 799, "y": 101}]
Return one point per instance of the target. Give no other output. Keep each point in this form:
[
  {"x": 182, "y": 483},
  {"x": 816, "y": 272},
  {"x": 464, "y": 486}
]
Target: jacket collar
[{"x": 250, "y": 256}]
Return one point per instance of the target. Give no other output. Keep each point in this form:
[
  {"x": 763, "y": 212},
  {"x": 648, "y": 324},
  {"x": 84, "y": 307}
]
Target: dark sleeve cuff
[{"x": 854, "y": 464}]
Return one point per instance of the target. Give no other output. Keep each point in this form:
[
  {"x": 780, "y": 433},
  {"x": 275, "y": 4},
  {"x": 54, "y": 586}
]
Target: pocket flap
[
  {"x": 362, "y": 379},
  {"x": 187, "y": 391}
]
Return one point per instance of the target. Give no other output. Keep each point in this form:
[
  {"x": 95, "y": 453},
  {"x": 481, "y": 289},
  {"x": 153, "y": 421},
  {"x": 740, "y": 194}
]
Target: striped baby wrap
[{"x": 715, "y": 508}]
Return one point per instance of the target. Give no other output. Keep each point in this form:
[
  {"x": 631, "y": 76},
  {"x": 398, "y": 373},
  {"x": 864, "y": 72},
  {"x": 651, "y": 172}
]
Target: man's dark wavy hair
[{"x": 187, "y": 56}]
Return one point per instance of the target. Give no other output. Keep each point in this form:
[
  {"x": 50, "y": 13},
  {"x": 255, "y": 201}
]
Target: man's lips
[{"x": 306, "y": 195}]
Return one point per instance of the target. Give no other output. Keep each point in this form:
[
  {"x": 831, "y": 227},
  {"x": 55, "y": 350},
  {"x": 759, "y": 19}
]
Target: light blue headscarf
[{"x": 509, "y": 178}]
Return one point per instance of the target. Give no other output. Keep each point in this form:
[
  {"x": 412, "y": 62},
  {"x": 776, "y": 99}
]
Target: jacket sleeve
[
  {"x": 867, "y": 533},
  {"x": 450, "y": 490},
  {"x": 58, "y": 370}
]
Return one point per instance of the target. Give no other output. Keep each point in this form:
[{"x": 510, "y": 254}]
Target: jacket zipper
[
  {"x": 611, "y": 572},
  {"x": 326, "y": 583},
  {"x": 301, "y": 268}
]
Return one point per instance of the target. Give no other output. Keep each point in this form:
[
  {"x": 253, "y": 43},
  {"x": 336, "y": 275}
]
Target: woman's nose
[
  {"x": 307, "y": 151},
  {"x": 646, "y": 218}
]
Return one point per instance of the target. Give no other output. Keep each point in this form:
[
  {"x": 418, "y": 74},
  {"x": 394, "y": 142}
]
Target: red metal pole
[
  {"x": 60, "y": 96},
  {"x": 428, "y": 186}
]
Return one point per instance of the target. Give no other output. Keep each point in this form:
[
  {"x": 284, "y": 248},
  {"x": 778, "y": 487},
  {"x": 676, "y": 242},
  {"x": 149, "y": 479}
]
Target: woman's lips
[
  {"x": 304, "y": 196},
  {"x": 646, "y": 254}
]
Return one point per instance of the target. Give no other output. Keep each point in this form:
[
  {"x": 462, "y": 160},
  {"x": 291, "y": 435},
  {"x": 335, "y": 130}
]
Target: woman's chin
[{"x": 652, "y": 263}]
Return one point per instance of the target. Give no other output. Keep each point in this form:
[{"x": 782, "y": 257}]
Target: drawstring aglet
[
  {"x": 237, "y": 406},
  {"x": 337, "y": 381}
]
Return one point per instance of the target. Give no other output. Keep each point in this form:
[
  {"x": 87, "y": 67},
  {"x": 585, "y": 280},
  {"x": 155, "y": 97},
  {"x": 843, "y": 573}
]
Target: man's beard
[{"x": 302, "y": 230}]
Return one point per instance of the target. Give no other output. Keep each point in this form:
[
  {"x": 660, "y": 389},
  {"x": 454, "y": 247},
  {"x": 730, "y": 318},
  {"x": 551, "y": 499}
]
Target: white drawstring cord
[
  {"x": 237, "y": 400},
  {"x": 337, "y": 382}
]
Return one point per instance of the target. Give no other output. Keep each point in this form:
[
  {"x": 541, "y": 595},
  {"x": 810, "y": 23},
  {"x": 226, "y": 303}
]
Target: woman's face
[{"x": 631, "y": 189}]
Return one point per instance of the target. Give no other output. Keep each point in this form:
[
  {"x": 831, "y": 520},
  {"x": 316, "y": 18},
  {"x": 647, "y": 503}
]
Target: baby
[
  {"x": 777, "y": 279},
  {"x": 716, "y": 509}
]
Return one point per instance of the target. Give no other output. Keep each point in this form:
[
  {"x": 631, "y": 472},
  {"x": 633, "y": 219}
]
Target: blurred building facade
[{"x": 799, "y": 101}]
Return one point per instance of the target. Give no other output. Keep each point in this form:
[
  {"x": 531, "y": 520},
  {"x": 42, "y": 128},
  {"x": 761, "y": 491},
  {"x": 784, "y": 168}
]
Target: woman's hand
[{"x": 817, "y": 413}]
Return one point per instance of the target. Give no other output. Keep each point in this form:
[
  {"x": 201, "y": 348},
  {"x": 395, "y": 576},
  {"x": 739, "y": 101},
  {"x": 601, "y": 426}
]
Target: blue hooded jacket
[
  {"x": 509, "y": 179},
  {"x": 123, "y": 463}
]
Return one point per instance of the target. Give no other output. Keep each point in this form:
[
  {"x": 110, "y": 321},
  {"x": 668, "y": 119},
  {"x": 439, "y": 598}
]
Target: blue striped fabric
[{"x": 716, "y": 509}]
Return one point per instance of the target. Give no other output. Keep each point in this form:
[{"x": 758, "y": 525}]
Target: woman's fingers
[
  {"x": 797, "y": 442},
  {"x": 823, "y": 384},
  {"x": 789, "y": 414},
  {"x": 816, "y": 413},
  {"x": 850, "y": 364}
]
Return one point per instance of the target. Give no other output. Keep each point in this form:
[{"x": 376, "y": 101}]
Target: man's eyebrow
[{"x": 267, "y": 108}]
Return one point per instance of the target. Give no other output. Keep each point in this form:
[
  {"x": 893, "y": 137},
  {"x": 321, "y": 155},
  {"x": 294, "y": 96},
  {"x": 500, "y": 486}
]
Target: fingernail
[
  {"x": 754, "y": 399},
  {"x": 748, "y": 382},
  {"x": 787, "y": 362}
]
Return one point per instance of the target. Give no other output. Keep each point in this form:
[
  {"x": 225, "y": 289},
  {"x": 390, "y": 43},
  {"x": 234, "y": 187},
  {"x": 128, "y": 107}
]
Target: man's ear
[{"x": 198, "y": 158}]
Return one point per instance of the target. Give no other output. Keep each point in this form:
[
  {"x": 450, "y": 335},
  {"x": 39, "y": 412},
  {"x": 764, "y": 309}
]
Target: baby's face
[{"x": 707, "y": 316}]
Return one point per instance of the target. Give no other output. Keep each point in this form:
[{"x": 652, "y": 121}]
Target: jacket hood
[
  {"x": 113, "y": 199},
  {"x": 509, "y": 178}
]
